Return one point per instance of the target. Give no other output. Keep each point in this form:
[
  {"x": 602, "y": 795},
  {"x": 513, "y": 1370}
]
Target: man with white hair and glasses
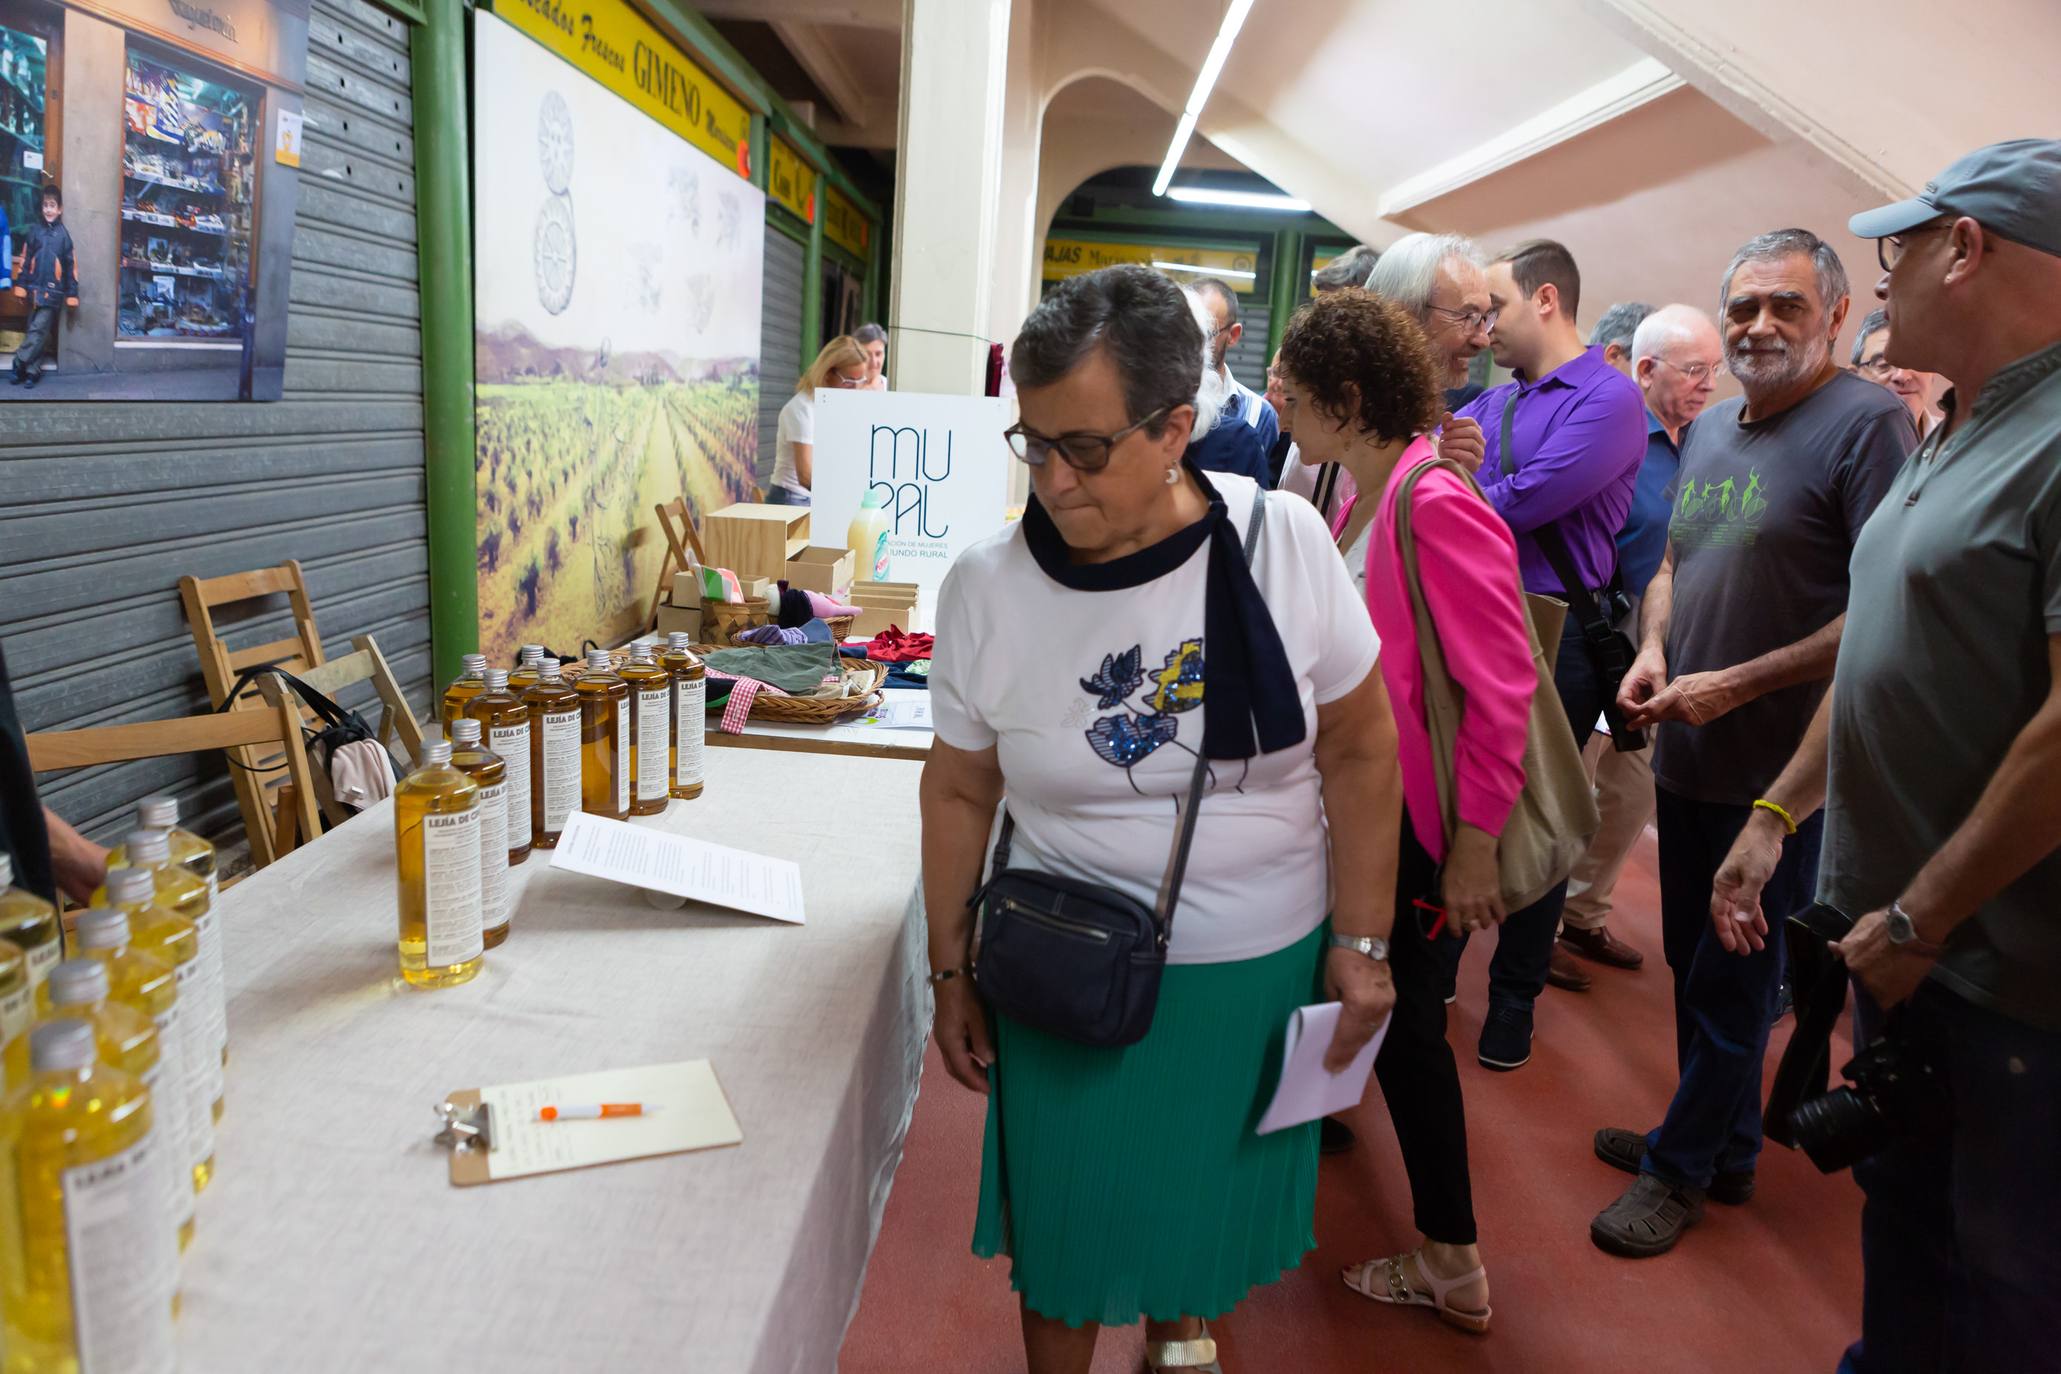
[
  {"x": 1741, "y": 626},
  {"x": 1916, "y": 389}
]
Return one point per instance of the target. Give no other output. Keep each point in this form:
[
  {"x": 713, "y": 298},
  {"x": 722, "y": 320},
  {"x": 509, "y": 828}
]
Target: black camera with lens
[{"x": 1892, "y": 1089}]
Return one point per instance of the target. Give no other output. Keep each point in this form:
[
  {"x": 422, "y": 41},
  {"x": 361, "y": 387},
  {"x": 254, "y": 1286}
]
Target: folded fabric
[
  {"x": 720, "y": 584},
  {"x": 828, "y": 607},
  {"x": 771, "y": 634},
  {"x": 797, "y": 668},
  {"x": 790, "y": 607},
  {"x": 896, "y": 645}
]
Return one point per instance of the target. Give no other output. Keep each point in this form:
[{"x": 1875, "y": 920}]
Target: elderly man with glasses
[
  {"x": 1916, "y": 389},
  {"x": 1246, "y": 427}
]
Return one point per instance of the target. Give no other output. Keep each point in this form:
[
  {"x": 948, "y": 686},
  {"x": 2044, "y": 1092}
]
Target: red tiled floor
[{"x": 1769, "y": 1288}]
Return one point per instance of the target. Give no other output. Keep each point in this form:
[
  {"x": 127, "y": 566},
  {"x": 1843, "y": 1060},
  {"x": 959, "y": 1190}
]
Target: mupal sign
[{"x": 939, "y": 464}]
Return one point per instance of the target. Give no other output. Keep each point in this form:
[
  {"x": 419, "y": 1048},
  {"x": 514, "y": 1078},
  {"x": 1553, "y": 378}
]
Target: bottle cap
[
  {"x": 130, "y": 884},
  {"x": 679, "y": 639},
  {"x": 103, "y": 927},
  {"x": 599, "y": 660},
  {"x": 465, "y": 731},
  {"x": 78, "y": 982},
  {"x": 158, "y": 813},
  {"x": 530, "y": 651},
  {"x": 547, "y": 671},
  {"x": 150, "y": 847},
  {"x": 497, "y": 679},
  {"x": 475, "y": 664},
  {"x": 64, "y": 1046},
  {"x": 437, "y": 751},
  {"x": 640, "y": 653},
  {"x": 872, "y": 500}
]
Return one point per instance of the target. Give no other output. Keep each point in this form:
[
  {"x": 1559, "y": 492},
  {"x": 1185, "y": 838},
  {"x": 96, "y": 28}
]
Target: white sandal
[
  {"x": 1197, "y": 1352},
  {"x": 1384, "y": 1280}
]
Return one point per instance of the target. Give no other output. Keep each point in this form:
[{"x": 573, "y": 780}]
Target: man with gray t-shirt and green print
[{"x": 1740, "y": 629}]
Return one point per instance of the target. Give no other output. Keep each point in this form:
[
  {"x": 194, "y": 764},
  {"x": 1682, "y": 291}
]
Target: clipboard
[{"x": 493, "y": 1133}]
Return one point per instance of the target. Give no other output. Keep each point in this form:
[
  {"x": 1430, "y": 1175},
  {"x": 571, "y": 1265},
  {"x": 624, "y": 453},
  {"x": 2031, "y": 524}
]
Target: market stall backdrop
[{"x": 619, "y": 274}]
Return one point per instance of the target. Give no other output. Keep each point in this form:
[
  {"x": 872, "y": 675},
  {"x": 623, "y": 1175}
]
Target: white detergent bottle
[{"x": 867, "y": 539}]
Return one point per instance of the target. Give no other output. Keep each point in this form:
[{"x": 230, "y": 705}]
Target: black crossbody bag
[
  {"x": 1077, "y": 959},
  {"x": 1609, "y": 646}
]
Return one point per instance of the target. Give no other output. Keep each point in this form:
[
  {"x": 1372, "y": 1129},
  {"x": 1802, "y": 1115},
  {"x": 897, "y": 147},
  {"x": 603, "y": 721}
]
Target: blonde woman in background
[{"x": 842, "y": 363}]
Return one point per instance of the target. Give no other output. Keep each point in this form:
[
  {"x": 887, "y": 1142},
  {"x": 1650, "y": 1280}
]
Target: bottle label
[
  {"x": 17, "y": 1009},
  {"x": 880, "y": 558},
  {"x": 561, "y": 779},
  {"x": 512, "y": 743},
  {"x": 690, "y": 696},
  {"x": 622, "y": 755},
  {"x": 178, "y": 1174},
  {"x": 214, "y": 886},
  {"x": 654, "y": 742},
  {"x": 451, "y": 887},
  {"x": 196, "y": 1048},
  {"x": 123, "y": 1260},
  {"x": 170, "y": 1108},
  {"x": 493, "y": 854},
  {"x": 214, "y": 1003},
  {"x": 43, "y": 958}
]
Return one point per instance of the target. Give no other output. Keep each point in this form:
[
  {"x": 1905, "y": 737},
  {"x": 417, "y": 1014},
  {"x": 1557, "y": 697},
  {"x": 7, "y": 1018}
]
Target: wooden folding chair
[
  {"x": 681, "y": 537},
  {"x": 204, "y": 598},
  {"x": 275, "y": 729},
  {"x": 364, "y": 664}
]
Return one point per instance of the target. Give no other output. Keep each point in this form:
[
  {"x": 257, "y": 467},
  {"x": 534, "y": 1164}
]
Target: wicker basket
[
  {"x": 723, "y": 621},
  {"x": 792, "y": 710}
]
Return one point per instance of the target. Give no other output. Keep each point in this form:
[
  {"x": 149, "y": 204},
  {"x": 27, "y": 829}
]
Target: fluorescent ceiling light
[
  {"x": 1205, "y": 81},
  {"x": 1205, "y": 271},
  {"x": 1243, "y": 200}
]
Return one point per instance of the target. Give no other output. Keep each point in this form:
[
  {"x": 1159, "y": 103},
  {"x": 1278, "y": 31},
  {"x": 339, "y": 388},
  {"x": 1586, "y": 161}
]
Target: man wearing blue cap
[{"x": 1943, "y": 794}]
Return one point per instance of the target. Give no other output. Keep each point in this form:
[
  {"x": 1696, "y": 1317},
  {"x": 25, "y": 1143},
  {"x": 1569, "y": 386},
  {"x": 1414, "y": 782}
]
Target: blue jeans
[
  {"x": 1725, "y": 1003},
  {"x": 1961, "y": 1234}
]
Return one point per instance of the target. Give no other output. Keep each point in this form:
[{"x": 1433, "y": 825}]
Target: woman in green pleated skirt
[{"x": 1130, "y": 1182}]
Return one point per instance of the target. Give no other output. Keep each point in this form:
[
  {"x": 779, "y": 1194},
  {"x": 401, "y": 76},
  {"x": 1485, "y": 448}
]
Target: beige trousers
[{"x": 1624, "y": 797}]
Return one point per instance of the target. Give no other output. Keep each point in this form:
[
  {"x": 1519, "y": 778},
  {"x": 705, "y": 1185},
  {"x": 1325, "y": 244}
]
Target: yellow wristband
[{"x": 1781, "y": 813}]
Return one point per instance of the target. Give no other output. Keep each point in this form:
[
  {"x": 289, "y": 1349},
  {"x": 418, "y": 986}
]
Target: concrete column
[
  {"x": 947, "y": 182},
  {"x": 94, "y": 55},
  {"x": 1018, "y": 235}
]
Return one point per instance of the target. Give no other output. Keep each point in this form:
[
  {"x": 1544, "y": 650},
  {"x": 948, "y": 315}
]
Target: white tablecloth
[{"x": 331, "y": 1238}]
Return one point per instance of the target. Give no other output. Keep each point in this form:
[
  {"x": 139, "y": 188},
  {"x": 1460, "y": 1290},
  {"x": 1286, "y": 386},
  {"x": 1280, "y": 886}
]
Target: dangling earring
[{"x": 1173, "y": 474}]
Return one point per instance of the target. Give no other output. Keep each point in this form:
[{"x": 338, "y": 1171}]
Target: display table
[
  {"x": 854, "y": 737},
  {"x": 331, "y": 1238}
]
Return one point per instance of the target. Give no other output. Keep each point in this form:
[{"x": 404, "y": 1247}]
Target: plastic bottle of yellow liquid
[
  {"x": 82, "y": 1165},
  {"x": 189, "y": 850},
  {"x": 17, "y": 1006},
  {"x": 207, "y": 1000},
  {"x": 867, "y": 539},
  {"x": 469, "y": 684},
  {"x": 505, "y": 723},
  {"x": 148, "y": 984},
  {"x": 157, "y": 930},
  {"x": 651, "y": 731},
  {"x": 128, "y": 1038},
  {"x": 604, "y": 738},
  {"x": 30, "y": 922},
  {"x": 554, "y": 709},
  {"x": 690, "y": 714},
  {"x": 490, "y": 771},
  {"x": 436, "y": 838},
  {"x": 526, "y": 665}
]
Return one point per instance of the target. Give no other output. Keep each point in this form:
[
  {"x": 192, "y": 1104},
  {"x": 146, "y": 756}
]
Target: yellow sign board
[
  {"x": 625, "y": 52},
  {"x": 844, "y": 224},
  {"x": 790, "y": 181},
  {"x": 1071, "y": 257}
]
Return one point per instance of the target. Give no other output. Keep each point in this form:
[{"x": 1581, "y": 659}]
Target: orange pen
[{"x": 594, "y": 1111}]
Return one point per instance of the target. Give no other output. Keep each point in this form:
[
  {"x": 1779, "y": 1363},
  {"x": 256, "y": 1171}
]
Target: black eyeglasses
[
  {"x": 1081, "y": 450},
  {"x": 1889, "y": 251}
]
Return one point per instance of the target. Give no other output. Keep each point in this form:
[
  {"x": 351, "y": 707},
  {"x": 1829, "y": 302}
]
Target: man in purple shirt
[{"x": 1577, "y": 430}]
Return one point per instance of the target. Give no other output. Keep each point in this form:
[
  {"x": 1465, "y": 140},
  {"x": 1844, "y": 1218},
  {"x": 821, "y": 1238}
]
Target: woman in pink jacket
[{"x": 1362, "y": 391}]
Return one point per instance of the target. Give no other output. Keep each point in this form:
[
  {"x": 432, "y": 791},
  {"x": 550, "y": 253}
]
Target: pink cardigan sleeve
[{"x": 1467, "y": 559}]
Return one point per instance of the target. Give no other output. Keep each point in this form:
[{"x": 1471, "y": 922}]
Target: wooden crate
[
  {"x": 824, "y": 570},
  {"x": 755, "y": 540},
  {"x": 883, "y": 604}
]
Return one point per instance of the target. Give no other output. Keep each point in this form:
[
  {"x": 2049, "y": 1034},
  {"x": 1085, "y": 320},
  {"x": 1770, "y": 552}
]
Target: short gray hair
[
  {"x": 1619, "y": 323},
  {"x": 1408, "y": 272},
  {"x": 1785, "y": 243},
  {"x": 1145, "y": 321},
  {"x": 1349, "y": 268},
  {"x": 1877, "y": 321},
  {"x": 1669, "y": 324},
  {"x": 868, "y": 334}
]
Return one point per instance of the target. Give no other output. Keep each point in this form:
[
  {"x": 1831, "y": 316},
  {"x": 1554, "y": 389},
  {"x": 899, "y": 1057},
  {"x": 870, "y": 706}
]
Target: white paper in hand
[{"x": 1307, "y": 1089}]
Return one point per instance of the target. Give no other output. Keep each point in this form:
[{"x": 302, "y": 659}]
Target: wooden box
[
  {"x": 883, "y": 605},
  {"x": 825, "y": 570},
  {"x": 681, "y": 620},
  {"x": 755, "y": 541}
]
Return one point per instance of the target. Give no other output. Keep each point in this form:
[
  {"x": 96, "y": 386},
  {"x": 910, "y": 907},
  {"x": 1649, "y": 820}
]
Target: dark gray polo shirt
[{"x": 1956, "y": 589}]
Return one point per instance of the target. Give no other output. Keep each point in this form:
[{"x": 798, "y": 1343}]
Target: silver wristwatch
[
  {"x": 1373, "y": 946},
  {"x": 1903, "y": 932}
]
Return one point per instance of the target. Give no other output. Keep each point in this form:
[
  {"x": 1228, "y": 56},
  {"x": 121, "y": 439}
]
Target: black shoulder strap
[
  {"x": 1184, "y": 835},
  {"x": 1587, "y": 613}
]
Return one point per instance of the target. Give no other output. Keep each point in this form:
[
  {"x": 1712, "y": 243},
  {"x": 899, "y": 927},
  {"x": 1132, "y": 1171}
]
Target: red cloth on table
[{"x": 896, "y": 645}]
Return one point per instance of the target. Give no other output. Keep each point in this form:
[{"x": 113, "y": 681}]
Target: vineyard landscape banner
[{"x": 619, "y": 271}]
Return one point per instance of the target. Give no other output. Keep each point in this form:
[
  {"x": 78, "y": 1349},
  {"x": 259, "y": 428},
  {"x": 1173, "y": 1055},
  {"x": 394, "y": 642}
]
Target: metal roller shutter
[
  {"x": 1249, "y": 359},
  {"x": 104, "y": 506},
  {"x": 780, "y": 340}
]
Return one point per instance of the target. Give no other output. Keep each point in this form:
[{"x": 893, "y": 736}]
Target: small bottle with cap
[
  {"x": 437, "y": 820},
  {"x": 30, "y": 922},
  {"x": 97, "y": 1269},
  {"x": 554, "y": 709},
  {"x": 505, "y": 729},
  {"x": 469, "y": 683},
  {"x": 188, "y": 896},
  {"x": 490, "y": 771},
  {"x": 690, "y": 713},
  {"x": 128, "y": 1038},
  {"x": 651, "y": 731},
  {"x": 604, "y": 738},
  {"x": 160, "y": 932},
  {"x": 189, "y": 850},
  {"x": 528, "y": 661}
]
